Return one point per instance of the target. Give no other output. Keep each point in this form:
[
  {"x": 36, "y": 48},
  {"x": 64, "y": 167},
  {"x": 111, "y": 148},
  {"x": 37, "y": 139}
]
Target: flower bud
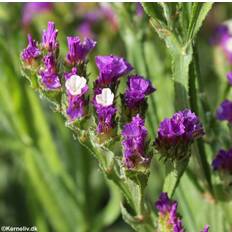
[{"x": 224, "y": 111}]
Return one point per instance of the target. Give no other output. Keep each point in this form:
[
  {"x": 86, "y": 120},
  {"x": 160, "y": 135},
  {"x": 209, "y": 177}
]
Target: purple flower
[
  {"x": 168, "y": 218},
  {"x": 139, "y": 9},
  {"x": 134, "y": 137},
  {"x": 220, "y": 32},
  {"x": 138, "y": 89},
  {"x": 31, "y": 51},
  {"x": 223, "y": 161},
  {"x": 229, "y": 77},
  {"x": 224, "y": 112},
  {"x": 49, "y": 36},
  {"x": 76, "y": 87},
  {"x": 78, "y": 49},
  {"x": 85, "y": 30},
  {"x": 31, "y": 9},
  {"x": 176, "y": 133},
  {"x": 206, "y": 229},
  {"x": 110, "y": 69},
  {"x": 103, "y": 102},
  {"x": 49, "y": 76}
]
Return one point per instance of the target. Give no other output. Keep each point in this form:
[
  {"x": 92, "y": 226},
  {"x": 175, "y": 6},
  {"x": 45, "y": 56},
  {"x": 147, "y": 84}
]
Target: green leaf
[{"x": 199, "y": 13}]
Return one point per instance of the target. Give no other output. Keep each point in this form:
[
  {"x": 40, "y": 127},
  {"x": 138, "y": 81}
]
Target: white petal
[
  {"x": 106, "y": 98},
  {"x": 75, "y": 84}
]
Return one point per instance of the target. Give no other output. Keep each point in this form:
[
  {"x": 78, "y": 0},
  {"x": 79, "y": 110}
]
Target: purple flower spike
[
  {"x": 224, "y": 112},
  {"x": 49, "y": 37},
  {"x": 110, "y": 69},
  {"x": 49, "y": 77},
  {"x": 223, "y": 161},
  {"x": 177, "y": 133},
  {"x": 76, "y": 87},
  {"x": 229, "y": 77},
  {"x": 168, "y": 218},
  {"x": 138, "y": 89},
  {"x": 78, "y": 49},
  {"x": 31, "y": 52},
  {"x": 105, "y": 109},
  {"x": 206, "y": 229},
  {"x": 134, "y": 138}
]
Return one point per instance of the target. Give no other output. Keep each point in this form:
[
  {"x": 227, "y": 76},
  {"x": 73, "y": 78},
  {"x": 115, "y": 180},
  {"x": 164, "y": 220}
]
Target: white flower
[
  {"x": 106, "y": 97},
  {"x": 75, "y": 84}
]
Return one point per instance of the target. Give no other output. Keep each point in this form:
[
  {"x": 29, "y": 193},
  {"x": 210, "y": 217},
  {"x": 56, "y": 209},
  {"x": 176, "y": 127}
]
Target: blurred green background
[{"x": 47, "y": 179}]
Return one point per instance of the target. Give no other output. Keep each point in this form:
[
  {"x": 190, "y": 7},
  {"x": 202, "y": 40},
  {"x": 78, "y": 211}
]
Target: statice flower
[
  {"x": 76, "y": 87},
  {"x": 138, "y": 88},
  {"x": 175, "y": 134},
  {"x": 31, "y": 9},
  {"x": 223, "y": 161},
  {"x": 31, "y": 52},
  {"x": 78, "y": 49},
  {"x": 134, "y": 143},
  {"x": 110, "y": 69},
  {"x": 49, "y": 37},
  {"x": 229, "y": 77},
  {"x": 169, "y": 220},
  {"x": 105, "y": 109},
  {"x": 224, "y": 111},
  {"x": 49, "y": 76}
]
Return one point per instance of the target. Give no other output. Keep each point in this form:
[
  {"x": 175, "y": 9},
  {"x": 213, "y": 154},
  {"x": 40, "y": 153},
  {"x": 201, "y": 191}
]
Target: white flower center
[
  {"x": 75, "y": 84},
  {"x": 229, "y": 45},
  {"x": 106, "y": 97}
]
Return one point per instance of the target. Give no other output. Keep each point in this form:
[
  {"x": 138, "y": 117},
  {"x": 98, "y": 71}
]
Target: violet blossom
[
  {"x": 138, "y": 88},
  {"x": 223, "y": 161},
  {"x": 169, "y": 220},
  {"x": 76, "y": 87},
  {"x": 31, "y": 52},
  {"x": 105, "y": 109},
  {"x": 49, "y": 37},
  {"x": 229, "y": 77},
  {"x": 49, "y": 76},
  {"x": 134, "y": 143},
  {"x": 175, "y": 134},
  {"x": 78, "y": 49},
  {"x": 206, "y": 229},
  {"x": 224, "y": 111},
  {"x": 110, "y": 69}
]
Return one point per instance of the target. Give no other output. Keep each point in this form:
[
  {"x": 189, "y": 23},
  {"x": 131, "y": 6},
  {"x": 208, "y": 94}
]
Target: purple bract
[
  {"x": 168, "y": 218},
  {"x": 49, "y": 36},
  {"x": 78, "y": 49},
  {"x": 31, "y": 51},
  {"x": 110, "y": 69},
  {"x": 138, "y": 89},
  {"x": 224, "y": 111},
  {"x": 223, "y": 161},
  {"x": 49, "y": 76},
  {"x": 134, "y": 137}
]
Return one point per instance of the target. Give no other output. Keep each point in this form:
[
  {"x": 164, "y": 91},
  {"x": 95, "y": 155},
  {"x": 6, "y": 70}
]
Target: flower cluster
[
  {"x": 169, "y": 221},
  {"x": 110, "y": 69},
  {"x": 223, "y": 161},
  {"x": 134, "y": 143},
  {"x": 138, "y": 88},
  {"x": 175, "y": 134},
  {"x": 224, "y": 112},
  {"x": 31, "y": 52}
]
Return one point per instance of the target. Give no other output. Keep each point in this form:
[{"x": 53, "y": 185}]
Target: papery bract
[
  {"x": 31, "y": 52},
  {"x": 134, "y": 143},
  {"x": 224, "y": 111}
]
